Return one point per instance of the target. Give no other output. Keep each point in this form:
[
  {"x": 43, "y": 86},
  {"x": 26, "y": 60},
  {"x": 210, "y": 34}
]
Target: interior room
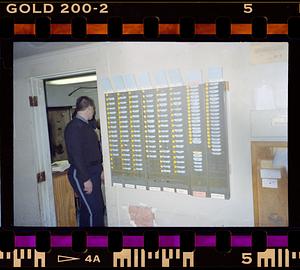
[{"x": 192, "y": 134}]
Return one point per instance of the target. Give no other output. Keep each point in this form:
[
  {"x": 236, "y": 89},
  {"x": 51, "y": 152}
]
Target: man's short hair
[{"x": 83, "y": 102}]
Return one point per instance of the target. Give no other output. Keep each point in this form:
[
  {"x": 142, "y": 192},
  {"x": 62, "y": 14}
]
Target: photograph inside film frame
[{"x": 150, "y": 134}]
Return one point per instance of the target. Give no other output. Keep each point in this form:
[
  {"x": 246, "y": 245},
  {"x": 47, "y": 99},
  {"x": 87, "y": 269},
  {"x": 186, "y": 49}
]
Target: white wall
[
  {"x": 243, "y": 67},
  {"x": 58, "y": 95}
]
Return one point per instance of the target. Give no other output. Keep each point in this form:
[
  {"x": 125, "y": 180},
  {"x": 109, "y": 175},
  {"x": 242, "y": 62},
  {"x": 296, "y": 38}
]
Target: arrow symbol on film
[{"x": 61, "y": 258}]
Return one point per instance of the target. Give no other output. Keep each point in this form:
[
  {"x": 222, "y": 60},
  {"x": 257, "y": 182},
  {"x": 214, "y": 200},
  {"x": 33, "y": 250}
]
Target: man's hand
[
  {"x": 102, "y": 176},
  {"x": 88, "y": 186}
]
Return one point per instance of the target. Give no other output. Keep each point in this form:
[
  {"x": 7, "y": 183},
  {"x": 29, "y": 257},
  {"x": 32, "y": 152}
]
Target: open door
[
  {"x": 270, "y": 183},
  {"x": 42, "y": 159}
]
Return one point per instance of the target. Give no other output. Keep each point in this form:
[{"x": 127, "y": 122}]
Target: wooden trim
[
  {"x": 254, "y": 182},
  {"x": 255, "y": 147}
]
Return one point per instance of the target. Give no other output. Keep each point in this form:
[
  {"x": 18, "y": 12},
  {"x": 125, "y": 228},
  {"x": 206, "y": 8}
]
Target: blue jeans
[{"x": 91, "y": 212}]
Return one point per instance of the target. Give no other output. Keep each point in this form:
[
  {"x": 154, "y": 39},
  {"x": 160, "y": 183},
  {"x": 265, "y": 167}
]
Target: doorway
[{"x": 61, "y": 95}]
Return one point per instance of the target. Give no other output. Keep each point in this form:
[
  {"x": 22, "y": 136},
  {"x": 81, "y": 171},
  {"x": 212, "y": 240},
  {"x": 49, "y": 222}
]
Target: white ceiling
[{"x": 23, "y": 49}]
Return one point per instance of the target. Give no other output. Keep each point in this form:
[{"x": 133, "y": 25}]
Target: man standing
[{"x": 85, "y": 158}]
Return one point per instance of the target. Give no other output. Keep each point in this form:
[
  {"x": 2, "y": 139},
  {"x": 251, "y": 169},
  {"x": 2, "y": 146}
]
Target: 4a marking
[{"x": 93, "y": 259}]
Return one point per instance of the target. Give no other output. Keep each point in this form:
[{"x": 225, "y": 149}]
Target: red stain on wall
[{"x": 142, "y": 216}]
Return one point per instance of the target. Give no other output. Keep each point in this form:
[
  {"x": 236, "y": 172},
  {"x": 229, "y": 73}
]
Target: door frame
[{"x": 41, "y": 145}]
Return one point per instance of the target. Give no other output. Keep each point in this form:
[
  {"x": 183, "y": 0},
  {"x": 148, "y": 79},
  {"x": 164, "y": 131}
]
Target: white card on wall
[{"x": 269, "y": 183}]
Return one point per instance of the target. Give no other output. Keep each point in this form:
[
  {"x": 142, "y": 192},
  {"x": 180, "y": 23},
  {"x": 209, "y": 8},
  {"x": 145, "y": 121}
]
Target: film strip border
[
  {"x": 79, "y": 240},
  {"x": 151, "y": 28}
]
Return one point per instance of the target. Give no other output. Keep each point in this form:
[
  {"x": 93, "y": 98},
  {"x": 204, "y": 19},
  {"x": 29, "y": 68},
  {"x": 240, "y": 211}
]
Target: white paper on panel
[
  {"x": 270, "y": 173},
  {"x": 269, "y": 183}
]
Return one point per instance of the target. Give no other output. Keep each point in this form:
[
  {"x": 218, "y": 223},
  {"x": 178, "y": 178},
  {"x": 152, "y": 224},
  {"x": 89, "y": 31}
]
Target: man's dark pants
[{"x": 91, "y": 212}]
